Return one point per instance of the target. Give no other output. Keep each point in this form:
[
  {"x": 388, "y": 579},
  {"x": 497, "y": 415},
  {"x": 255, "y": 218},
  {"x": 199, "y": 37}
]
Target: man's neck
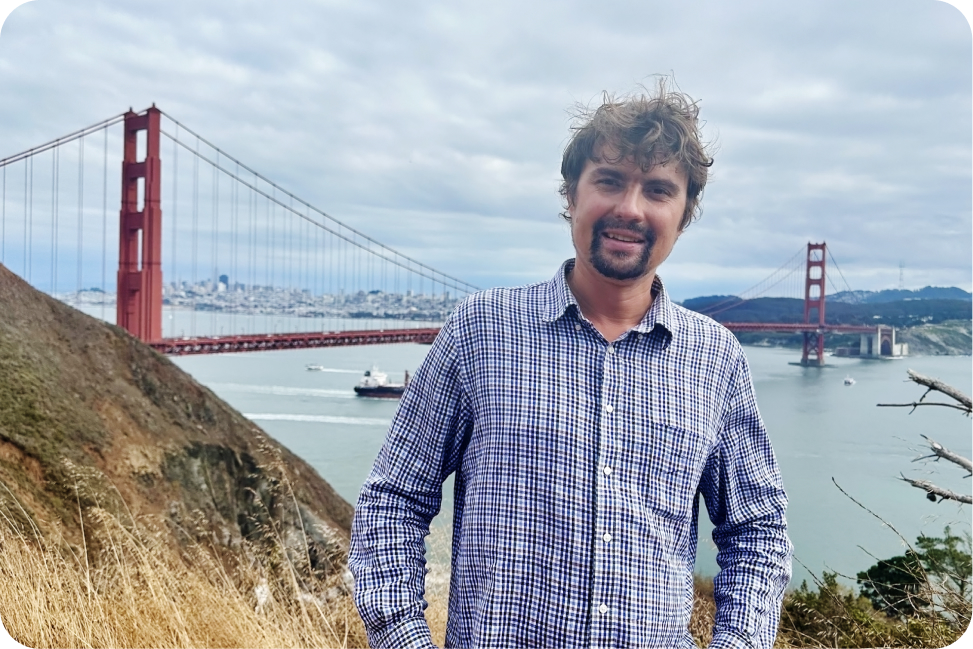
[{"x": 612, "y": 306}]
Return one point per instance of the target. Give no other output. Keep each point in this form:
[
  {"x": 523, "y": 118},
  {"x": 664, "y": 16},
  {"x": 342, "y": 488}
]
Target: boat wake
[
  {"x": 283, "y": 390},
  {"x": 318, "y": 419}
]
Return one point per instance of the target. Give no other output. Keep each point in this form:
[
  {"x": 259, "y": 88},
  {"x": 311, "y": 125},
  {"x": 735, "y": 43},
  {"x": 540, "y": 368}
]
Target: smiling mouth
[
  {"x": 624, "y": 238},
  {"x": 620, "y": 249}
]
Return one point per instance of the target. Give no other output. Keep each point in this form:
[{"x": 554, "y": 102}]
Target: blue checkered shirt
[{"x": 579, "y": 464}]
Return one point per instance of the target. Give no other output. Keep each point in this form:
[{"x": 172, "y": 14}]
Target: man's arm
[
  {"x": 745, "y": 500},
  {"x": 402, "y": 495}
]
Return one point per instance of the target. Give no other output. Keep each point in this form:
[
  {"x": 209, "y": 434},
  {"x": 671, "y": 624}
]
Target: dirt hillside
[{"x": 90, "y": 417}]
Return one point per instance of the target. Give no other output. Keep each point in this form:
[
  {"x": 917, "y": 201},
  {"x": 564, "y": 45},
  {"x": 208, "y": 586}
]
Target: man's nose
[{"x": 630, "y": 202}]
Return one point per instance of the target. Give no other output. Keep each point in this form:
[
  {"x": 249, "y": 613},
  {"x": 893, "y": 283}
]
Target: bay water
[{"x": 825, "y": 435}]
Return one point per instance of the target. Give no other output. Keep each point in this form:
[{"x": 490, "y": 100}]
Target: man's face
[{"x": 625, "y": 221}]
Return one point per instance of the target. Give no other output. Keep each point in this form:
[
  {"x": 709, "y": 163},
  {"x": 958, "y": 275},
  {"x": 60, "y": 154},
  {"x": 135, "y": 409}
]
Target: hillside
[
  {"x": 894, "y": 295},
  {"x": 898, "y": 313},
  {"x": 91, "y": 419},
  {"x": 931, "y": 325},
  {"x": 952, "y": 337}
]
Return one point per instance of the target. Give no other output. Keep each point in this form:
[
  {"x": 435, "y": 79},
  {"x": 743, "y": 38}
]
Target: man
[{"x": 583, "y": 417}]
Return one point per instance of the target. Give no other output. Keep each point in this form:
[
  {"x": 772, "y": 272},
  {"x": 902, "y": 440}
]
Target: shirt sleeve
[
  {"x": 402, "y": 495},
  {"x": 745, "y": 499}
]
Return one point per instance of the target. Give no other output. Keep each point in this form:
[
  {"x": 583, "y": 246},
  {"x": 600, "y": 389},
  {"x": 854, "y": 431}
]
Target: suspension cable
[
  {"x": 80, "y": 213},
  {"x": 104, "y": 226},
  {"x": 29, "y": 234},
  {"x": 214, "y": 248},
  {"x": 61, "y": 140},
  {"x": 736, "y": 301},
  {"x": 3, "y": 230},
  {"x": 175, "y": 217},
  {"x": 311, "y": 207},
  {"x": 840, "y": 274},
  {"x": 55, "y": 190},
  {"x": 195, "y": 246}
]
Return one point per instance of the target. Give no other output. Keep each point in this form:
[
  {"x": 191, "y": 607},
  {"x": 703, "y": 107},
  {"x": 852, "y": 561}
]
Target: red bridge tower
[
  {"x": 814, "y": 302},
  {"x": 139, "y": 309}
]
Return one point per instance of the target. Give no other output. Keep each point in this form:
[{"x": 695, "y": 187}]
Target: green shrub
[{"x": 919, "y": 599}]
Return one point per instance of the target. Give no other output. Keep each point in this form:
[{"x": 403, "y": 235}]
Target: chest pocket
[{"x": 666, "y": 464}]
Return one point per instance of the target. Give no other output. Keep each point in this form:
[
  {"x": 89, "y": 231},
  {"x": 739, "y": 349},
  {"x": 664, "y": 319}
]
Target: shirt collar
[{"x": 558, "y": 298}]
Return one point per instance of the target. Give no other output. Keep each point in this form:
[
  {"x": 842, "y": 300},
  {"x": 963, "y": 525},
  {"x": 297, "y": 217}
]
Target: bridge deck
[
  {"x": 801, "y": 327},
  {"x": 317, "y": 339},
  {"x": 306, "y": 340}
]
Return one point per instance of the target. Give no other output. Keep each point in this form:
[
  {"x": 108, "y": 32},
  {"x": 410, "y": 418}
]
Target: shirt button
[
  {"x": 603, "y": 609},
  {"x": 607, "y": 470},
  {"x": 607, "y": 537},
  {"x": 640, "y": 336},
  {"x": 611, "y": 350},
  {"x": 577, "y": 327},
  {"x": 609, "y": 408}
]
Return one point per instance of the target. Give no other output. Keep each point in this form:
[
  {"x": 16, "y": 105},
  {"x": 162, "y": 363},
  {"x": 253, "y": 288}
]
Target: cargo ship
[{"x": 376, "y": 384}]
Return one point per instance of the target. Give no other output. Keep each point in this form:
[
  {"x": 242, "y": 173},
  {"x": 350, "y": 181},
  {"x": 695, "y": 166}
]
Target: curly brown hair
[{"x": 650, "y": 130}]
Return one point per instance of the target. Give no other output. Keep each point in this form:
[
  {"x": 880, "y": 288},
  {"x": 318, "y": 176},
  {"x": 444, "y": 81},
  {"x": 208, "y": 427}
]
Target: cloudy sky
[{"x": 437, "y": 127}]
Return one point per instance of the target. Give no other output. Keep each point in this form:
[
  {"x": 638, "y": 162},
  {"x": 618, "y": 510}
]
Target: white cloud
[{"x": 437, "y": 127}]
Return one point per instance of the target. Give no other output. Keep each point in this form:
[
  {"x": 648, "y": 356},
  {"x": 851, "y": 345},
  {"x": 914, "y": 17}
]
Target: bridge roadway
[
  {"x": 304, "y": 340},
  {"x": 802, "y": 327},
  {"x": 318, "y": 339}
]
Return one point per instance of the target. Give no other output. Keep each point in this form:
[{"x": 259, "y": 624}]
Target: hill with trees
[{"x": 930, "y": 323}]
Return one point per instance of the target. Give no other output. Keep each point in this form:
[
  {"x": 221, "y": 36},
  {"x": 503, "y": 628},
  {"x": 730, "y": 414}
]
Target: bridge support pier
[
  {"x": 813, "y": 344},
  {"x": 139, "y": 307},
  {"x": 814, "y": 304}
]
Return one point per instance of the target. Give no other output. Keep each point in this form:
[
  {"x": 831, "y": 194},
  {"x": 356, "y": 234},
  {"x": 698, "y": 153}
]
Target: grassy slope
[{"x": 90, "y": 417}]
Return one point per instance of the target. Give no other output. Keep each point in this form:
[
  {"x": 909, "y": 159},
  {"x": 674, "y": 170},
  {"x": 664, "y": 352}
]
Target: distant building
[{"x": 881, "y": 343}]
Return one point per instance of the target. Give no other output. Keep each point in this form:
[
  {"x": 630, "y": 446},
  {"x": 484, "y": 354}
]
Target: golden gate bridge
[{"x": 234, "y": 241}]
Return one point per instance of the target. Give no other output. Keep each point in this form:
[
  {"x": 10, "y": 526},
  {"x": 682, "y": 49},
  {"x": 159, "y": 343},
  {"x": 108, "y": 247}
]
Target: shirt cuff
[
  {"x": 411, "y": 634},
  {"x": 726, "y": 639}
]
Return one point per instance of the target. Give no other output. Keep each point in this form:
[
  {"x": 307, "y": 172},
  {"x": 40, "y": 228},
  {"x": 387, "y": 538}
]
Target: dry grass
[
  {"x": 136, "y": 591},
  {"x": 704, "y": 611},
  {"x": 142, "y": 594},
  {"x": 128, "y": 585},
  {"x": 437, "y": 595}
]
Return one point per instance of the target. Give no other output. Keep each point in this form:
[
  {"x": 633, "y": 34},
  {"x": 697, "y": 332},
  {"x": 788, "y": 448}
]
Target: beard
[{"x": 620, "y": 265}]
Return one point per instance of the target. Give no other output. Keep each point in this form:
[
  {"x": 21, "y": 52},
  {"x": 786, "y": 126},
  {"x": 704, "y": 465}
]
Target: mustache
[{"x": 616, "y": 223}]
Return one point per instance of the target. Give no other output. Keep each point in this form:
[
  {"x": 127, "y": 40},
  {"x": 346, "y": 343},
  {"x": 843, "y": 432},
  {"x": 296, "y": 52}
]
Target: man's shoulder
[
  {"x": 701, "y": 329},
  {"x": 512, "y": 303}
]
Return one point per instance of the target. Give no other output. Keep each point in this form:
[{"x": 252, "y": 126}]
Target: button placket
[{"x": 606, "y": 572}]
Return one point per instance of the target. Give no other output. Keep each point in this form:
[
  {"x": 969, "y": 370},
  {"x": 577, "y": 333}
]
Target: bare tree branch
[
  {"x": 940, "y": 451},
  {"x": 934, "y": 385},
  {"x": 932, "y": 491},
  {"x": 916, "y": 404},
  {"x": 939, "y": 386},
  {"x": 882, "y": 520}
]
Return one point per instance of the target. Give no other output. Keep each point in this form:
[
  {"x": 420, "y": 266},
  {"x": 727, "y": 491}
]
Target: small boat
[
  {"x": 376, "y": 384},
  {"x": 315, "y": 368},
  {"x": 849, "y": 381}
]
